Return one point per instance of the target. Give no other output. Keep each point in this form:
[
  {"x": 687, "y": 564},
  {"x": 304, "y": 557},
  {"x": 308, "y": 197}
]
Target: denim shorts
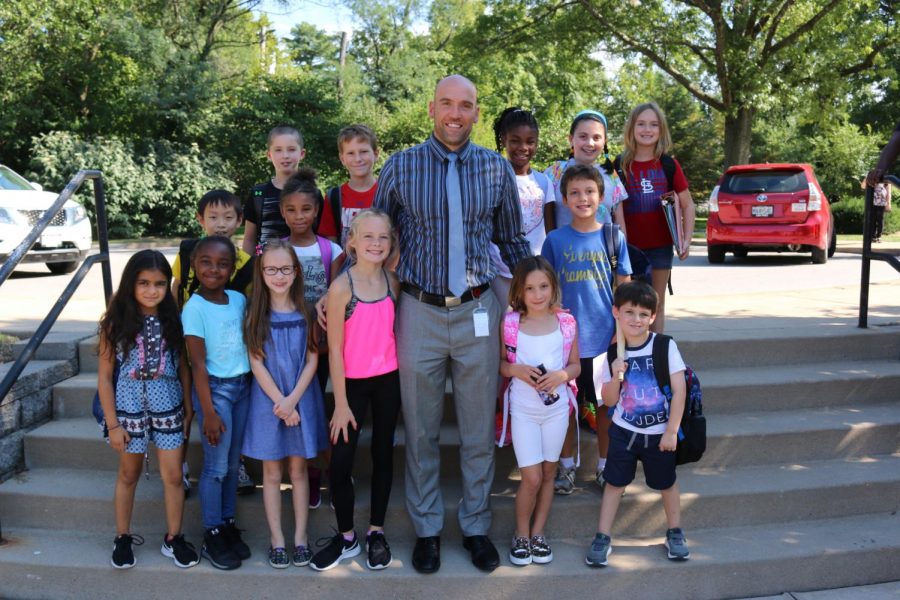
[
  {"x": 660, "y": 257},
  {"x": 626, "y": 448}
]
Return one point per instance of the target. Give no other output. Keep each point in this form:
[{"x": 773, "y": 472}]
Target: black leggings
[{"x": 383, "y": 393}]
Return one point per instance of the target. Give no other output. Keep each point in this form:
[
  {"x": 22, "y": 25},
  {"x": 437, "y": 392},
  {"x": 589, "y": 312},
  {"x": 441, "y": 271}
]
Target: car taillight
[
  {"x": 714, "y": 200},
  {"x": 815, "y": 199}
]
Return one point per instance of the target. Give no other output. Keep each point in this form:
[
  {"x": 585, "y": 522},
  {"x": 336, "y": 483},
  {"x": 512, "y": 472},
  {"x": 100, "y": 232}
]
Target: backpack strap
[
  {"x": 668, "y": 167},
  {"x": 511, "y": 335},
  {"x": 568, "y": 327},
  {"x": 617, "y": 167},
  {"x": 185, "y": 249},
  {"x": 660, "y": 355},
  {"x": 611, "y": 236},
  {"x": 325, "y": 251},
  {"x": 242, "y": 277},
  {"x": 258, "y": 209},
  {"x": 334, "y": 199}
]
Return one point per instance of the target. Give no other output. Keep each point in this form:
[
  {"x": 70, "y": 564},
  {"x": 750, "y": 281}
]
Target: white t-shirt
[
  {"x": 315, "y": 284},
  {"x": 536, "y": 350},
  {"x": 642, "y": 407},
  {"x": 535, "y": 190}
]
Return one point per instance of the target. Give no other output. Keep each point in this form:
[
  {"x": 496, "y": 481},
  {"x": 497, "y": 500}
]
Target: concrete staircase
[{"x": 798, "y": 490}]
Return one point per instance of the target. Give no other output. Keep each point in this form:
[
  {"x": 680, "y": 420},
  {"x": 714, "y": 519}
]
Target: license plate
[
  {"x": 762, "y": 211},
  {"x": 50, "y": 240}
]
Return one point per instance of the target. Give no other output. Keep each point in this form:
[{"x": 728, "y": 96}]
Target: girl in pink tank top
[{"x": 363, "y": 360}]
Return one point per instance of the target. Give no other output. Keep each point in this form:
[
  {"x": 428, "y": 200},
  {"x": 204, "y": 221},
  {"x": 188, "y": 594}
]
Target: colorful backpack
[
  {"x": 569, "y": 329},
  {"x": 692, "y": 431}
]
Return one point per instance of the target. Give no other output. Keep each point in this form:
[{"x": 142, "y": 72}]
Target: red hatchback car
[{"x": 769, "y": 207}]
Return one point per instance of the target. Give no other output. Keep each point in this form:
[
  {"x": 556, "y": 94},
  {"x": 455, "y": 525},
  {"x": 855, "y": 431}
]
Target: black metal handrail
[
  {"x": 868, "y": 256},
  {"x": 16, "y": 256}
]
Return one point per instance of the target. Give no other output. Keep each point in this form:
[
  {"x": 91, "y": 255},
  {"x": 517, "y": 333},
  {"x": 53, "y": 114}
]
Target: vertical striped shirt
[{"x": 412, "y": 190}]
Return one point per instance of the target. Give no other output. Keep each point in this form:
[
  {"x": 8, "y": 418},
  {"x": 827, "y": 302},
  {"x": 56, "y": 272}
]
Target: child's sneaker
[
  {"x": 676, "y": 544},
  {"x": 216, "y": 550},
  {"x": 540, "y": 550},
  {"x": 337, "y": 550},
  {"x": 186, "y": 480},
  {"x": 234, "y": 541},
  {"x": 601, "y": 482},
  {"x": 302, "y": 555},
  {"x": 520, "y": 551},
  {"x": 598, "y": 554},
  {"x": 123, "y": 555},
  {"x": 378, "y": 551},
  {"x": 181, "y": 551},
  {"x": 565, "y": 480},
  {"x": 315, "y": 487},
  {"x": 245, "y": 484},
  {"x": 278, "y": 558}
]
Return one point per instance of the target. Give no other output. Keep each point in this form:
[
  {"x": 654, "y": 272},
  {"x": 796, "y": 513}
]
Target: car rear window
[{"x": 756, "y": 182}]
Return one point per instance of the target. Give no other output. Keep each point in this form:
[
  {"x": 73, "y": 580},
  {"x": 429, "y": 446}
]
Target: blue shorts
[
  {"x": 660, "y": 257},
  {"x": 626, "y": 448}
]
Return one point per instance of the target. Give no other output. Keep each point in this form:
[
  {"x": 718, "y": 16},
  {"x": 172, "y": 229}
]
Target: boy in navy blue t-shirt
[{"x": 644, "y": 425}]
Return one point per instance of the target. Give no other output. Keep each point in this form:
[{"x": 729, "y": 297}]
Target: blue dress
[{"x": 266, "y": 436}]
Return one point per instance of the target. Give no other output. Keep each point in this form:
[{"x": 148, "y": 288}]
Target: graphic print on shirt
[
  {"x": 531, "y": 197},
  {"x": 594, "y": 265},
  {"x": 646, "y": 186},
  {"x": 641, "y": 401}
]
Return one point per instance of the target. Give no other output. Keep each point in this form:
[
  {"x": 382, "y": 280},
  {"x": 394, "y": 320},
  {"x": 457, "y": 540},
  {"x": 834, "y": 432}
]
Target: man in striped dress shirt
[{"x": 449, "y": 198}]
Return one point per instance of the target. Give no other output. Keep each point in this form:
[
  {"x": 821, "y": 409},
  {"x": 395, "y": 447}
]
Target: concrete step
[
  {"x": 87, "y": 354},
  {"x": 81, "y": 499},
  {"x": 762, "y": 347},
  {"x": 55, "y": 345},
  {"x": 816, "y": 385},
  {"x": 733, "y": 439},
  {"x": 728, "y": 562}
]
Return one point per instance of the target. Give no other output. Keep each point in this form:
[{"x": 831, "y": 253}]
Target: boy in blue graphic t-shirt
[
  {"x": 644, "y": 426},
  {"x": 578, "y": 254}
]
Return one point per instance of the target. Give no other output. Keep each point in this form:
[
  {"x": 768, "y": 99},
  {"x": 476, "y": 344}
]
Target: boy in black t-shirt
[{"x": 262, "y": 212}]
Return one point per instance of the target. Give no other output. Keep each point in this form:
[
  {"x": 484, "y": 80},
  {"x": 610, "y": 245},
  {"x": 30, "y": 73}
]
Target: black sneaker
[
  {"x": 336, "y": 550},
  {"x": 217, "y": 551},
  {"x": 182, "y": 552},
  {"x": 378, "y": 550},
  {"x": 234, "y": 541},
  {"x": 123, "y": 555}
]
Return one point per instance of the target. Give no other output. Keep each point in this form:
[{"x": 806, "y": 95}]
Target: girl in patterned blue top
[
  {"x": 287, "y": 414},
  {"x": 144, "y": 385}
]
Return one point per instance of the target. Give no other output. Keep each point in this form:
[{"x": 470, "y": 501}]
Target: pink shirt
[{"x": 370, "y": 348}]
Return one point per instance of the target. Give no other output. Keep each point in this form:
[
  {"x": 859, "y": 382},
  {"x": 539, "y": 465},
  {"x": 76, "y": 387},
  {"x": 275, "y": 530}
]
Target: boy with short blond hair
[
  {"x": 358, "y": 151},
  {"x": 644, "y": 423}
]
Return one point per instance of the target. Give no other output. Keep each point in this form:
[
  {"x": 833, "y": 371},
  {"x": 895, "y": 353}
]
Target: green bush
[
  {"x": 151, "y": 189},
  {"x": 848, "y": 217}
]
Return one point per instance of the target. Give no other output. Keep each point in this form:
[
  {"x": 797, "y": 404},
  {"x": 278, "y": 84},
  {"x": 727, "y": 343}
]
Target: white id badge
[{"x": 481, "y": 321}]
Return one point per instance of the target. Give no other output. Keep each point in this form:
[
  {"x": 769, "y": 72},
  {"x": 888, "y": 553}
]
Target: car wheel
[
  {"x": 819, "y": 256},
  {"x": 832, "y": 243},
  {"x": 715, "y": 254},
  {"x": 740, "y": 252},
  {"x": 61, "y": 268}
]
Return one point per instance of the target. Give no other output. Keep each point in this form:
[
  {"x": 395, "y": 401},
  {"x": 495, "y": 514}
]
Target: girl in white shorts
[{"x": 540, "y": 356}]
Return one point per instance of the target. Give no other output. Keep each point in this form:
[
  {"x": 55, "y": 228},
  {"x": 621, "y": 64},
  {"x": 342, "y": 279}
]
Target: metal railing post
[{"x": 868, "y": 256}]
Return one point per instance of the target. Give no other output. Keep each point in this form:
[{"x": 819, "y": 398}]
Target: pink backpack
[{"x": 568, "y": 327}]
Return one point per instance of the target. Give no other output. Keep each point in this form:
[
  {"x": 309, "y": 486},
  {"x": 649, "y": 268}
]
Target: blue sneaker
[
  {"x": 598, "y": 554},
  {"x": 676, "y": 544}
]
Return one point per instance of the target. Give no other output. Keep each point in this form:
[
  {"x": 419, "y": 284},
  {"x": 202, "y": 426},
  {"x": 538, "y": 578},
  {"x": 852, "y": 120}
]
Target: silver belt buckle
[{"x": 451, "y": 301}]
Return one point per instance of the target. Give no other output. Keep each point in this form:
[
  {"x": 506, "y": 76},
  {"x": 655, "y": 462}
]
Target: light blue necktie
[{"x": 456, "y": 244}]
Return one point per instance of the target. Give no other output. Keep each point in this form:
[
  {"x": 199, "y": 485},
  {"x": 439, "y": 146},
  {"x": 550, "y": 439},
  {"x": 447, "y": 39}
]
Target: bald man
[{"x": 450, "y": 198}]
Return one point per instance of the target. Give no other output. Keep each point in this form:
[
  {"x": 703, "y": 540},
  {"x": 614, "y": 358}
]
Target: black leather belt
[{"x": 448, "y": 301}]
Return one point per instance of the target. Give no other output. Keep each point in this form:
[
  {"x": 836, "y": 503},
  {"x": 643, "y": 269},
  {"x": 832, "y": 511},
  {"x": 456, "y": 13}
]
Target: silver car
[{"x": 63, "y": 244}]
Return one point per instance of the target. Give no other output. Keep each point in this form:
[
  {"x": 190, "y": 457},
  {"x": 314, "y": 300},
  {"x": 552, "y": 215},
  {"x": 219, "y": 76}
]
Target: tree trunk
[{"x": 737, "y": 136}]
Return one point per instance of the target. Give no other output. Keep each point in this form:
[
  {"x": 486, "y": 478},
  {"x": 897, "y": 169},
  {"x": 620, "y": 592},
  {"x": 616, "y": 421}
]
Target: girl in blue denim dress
[
  {"x": 212, "y": 321},
  {"x": 143, "y": 384}
]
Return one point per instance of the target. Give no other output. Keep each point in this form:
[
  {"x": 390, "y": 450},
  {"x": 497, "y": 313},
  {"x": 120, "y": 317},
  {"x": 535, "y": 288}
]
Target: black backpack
[
  {"x": 640, "y": 265},
  {"x": 692, "y": 432},
  {"x": 238, "y": 283}
]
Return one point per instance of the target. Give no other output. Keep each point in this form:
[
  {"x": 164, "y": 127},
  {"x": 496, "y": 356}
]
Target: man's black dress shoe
[
  {"x": 484, "y": 554},
  {"x": 426, "y": 556}
]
